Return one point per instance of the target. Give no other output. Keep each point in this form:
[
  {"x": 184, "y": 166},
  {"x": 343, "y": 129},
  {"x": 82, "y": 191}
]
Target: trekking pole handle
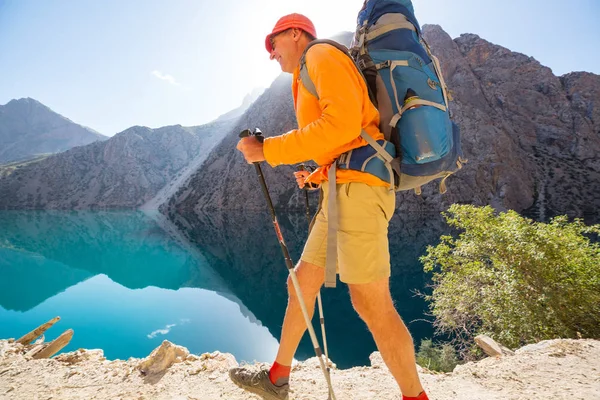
[
  {"x": 256, "y": 133},
  {"x": 303, "y": 167}
]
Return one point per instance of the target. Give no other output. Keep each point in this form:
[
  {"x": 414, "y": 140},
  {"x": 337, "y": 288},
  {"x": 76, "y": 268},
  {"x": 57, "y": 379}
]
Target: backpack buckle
[
  {"x": 432, "y": 84},
  {"x": 343, "y": 159},
  {"x": 385, "y": 64}
]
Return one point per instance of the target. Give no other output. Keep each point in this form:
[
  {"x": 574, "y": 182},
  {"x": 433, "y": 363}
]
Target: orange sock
[
  {"x": 279, "y": 374},
  {"x": 421, "y": 396}
]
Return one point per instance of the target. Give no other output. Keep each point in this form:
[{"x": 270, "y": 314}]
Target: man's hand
[
  {"x": 300, "y": 177},
  {"x": 252, "y": 149}
]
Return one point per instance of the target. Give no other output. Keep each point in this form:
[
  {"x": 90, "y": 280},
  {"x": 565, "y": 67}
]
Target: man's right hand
[
  {"x": 252, "y": 149},
  {"x": 300, "y": 177}
]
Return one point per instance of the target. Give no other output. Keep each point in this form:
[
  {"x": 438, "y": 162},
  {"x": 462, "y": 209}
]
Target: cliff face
[
  {"x": 123, "y": 172},
  {"x": 29, "y": 128},
  {"x": 532, "y": 139}
]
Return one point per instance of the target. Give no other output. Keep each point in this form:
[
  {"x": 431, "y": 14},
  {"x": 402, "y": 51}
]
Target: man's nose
[{"x": 272, "y": 55}]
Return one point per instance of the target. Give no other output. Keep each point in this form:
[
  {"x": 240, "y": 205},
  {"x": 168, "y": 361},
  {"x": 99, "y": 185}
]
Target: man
[{"x": 329, "y": 126}]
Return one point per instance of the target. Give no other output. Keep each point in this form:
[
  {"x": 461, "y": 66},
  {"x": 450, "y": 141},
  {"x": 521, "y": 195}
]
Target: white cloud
[
  {"x": 165, "y": 77},
  {"x": 163, "y": 331}
]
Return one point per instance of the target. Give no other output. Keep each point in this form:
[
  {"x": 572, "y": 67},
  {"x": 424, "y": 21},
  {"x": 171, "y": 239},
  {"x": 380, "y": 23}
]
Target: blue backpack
[{"x": 406, "y": 85}]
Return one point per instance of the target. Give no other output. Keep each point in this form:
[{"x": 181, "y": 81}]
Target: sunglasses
[{"x": 272, "y": 39}]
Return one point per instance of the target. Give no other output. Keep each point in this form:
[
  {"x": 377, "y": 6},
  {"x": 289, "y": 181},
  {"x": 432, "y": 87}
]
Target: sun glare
[{"x": 330, "y": 17}]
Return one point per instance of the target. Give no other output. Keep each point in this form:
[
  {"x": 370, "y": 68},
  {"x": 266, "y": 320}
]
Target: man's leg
[
  {"x": 310, "y": 278},
  {"x": 374, "y": 304}
]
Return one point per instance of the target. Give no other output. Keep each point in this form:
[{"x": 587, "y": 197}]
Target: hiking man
[{"x": 329, "y": 126}]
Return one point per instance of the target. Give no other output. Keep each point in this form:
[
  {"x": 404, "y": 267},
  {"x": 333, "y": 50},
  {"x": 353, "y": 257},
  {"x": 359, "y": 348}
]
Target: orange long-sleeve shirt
[{"x": 330, "y": 125}]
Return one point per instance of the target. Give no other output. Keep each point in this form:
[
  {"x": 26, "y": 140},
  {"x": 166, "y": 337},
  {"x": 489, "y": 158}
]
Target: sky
[{"x": 113, "y": 64}]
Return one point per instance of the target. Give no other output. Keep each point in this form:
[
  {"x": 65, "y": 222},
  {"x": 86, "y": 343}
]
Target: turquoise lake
[{"x": 124, "y": 281}]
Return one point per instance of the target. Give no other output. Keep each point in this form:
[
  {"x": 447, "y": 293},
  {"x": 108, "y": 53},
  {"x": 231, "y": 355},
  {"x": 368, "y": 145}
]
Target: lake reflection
[
  {"x": 121, "y": 283},
  {"x": 243, "y": 249},
  {"x": 125, "y": 281}
]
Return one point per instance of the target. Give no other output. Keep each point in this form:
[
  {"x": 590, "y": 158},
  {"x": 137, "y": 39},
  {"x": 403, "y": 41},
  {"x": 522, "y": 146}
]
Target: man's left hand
[{"x": 252, "y": 149}]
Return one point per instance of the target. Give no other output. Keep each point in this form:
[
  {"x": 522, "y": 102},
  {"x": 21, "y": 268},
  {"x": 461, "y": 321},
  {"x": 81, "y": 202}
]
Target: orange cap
[{"x": 290, "y": 21}]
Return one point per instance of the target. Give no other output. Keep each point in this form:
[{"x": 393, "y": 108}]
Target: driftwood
[
  {"x": 33, "y": 350},
  {"x": 39, "y": 349},
  {"x": 55, "y": 346},
  {"x": 37, "y": 331}
]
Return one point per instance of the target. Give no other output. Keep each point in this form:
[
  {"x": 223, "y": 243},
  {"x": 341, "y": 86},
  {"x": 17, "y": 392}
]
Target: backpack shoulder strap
[{"x": 304, "y": 77}]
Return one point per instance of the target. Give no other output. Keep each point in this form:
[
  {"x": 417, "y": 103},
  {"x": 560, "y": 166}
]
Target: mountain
[
  {"x": 28, "y": 128},
  {"x": 532, "y": 140},
  {"x": 125, "y": 171}
]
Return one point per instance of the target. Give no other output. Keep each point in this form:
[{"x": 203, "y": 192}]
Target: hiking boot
[{"x": 258, "y": 382}]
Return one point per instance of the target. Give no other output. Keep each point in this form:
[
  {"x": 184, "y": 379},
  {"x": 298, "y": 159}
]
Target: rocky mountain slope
[
  {"x": 125, "y": 171},
  {"x": 228, "y": 181},
  {"x": 29, "y": 128},
  {"x": 137, "y": 168},
  {"x": 555, "y": 369},
  {"x": 532, "y": 139}
]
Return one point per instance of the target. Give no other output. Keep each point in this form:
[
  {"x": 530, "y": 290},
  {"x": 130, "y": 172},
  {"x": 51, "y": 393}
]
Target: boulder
[{"x": 162, "y": 358}]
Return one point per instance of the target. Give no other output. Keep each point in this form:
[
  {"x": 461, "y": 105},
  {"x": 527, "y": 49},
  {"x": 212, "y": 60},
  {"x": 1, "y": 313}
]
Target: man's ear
[{"x": 296, "y": 34}]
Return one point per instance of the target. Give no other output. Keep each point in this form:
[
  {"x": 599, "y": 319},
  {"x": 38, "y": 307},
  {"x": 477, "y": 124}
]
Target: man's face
[{"x": 285, "y": 47}]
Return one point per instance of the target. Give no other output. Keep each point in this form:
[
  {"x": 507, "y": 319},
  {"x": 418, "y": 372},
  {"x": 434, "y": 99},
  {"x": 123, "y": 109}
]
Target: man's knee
[
  {"x": 372, "y": 301},
  {"x": 310, "y": 279}
]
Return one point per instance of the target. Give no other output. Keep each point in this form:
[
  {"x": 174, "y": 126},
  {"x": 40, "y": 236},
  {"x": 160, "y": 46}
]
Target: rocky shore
[{"x": 555, "y": 369}]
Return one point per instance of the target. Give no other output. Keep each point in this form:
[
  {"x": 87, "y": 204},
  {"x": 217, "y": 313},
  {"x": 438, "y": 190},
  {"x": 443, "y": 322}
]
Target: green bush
[
  {"x": 440, "y": 358},
  {"x": 514, "y": 279}
]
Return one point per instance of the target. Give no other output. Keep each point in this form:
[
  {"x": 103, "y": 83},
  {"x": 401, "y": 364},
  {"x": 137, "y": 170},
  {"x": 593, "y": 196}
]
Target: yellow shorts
[{"x": 363, "y": 251}]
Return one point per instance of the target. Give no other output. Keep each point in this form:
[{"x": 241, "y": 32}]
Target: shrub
[
  {"x": 437, "y": 357},
  {"x": 514, "y": 279}
]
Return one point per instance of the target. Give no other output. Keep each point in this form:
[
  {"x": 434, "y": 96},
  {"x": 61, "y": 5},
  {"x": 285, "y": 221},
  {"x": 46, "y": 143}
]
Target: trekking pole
[
  {"x": 288, "y": 261},
  {"x": 320, "y": 302}
]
